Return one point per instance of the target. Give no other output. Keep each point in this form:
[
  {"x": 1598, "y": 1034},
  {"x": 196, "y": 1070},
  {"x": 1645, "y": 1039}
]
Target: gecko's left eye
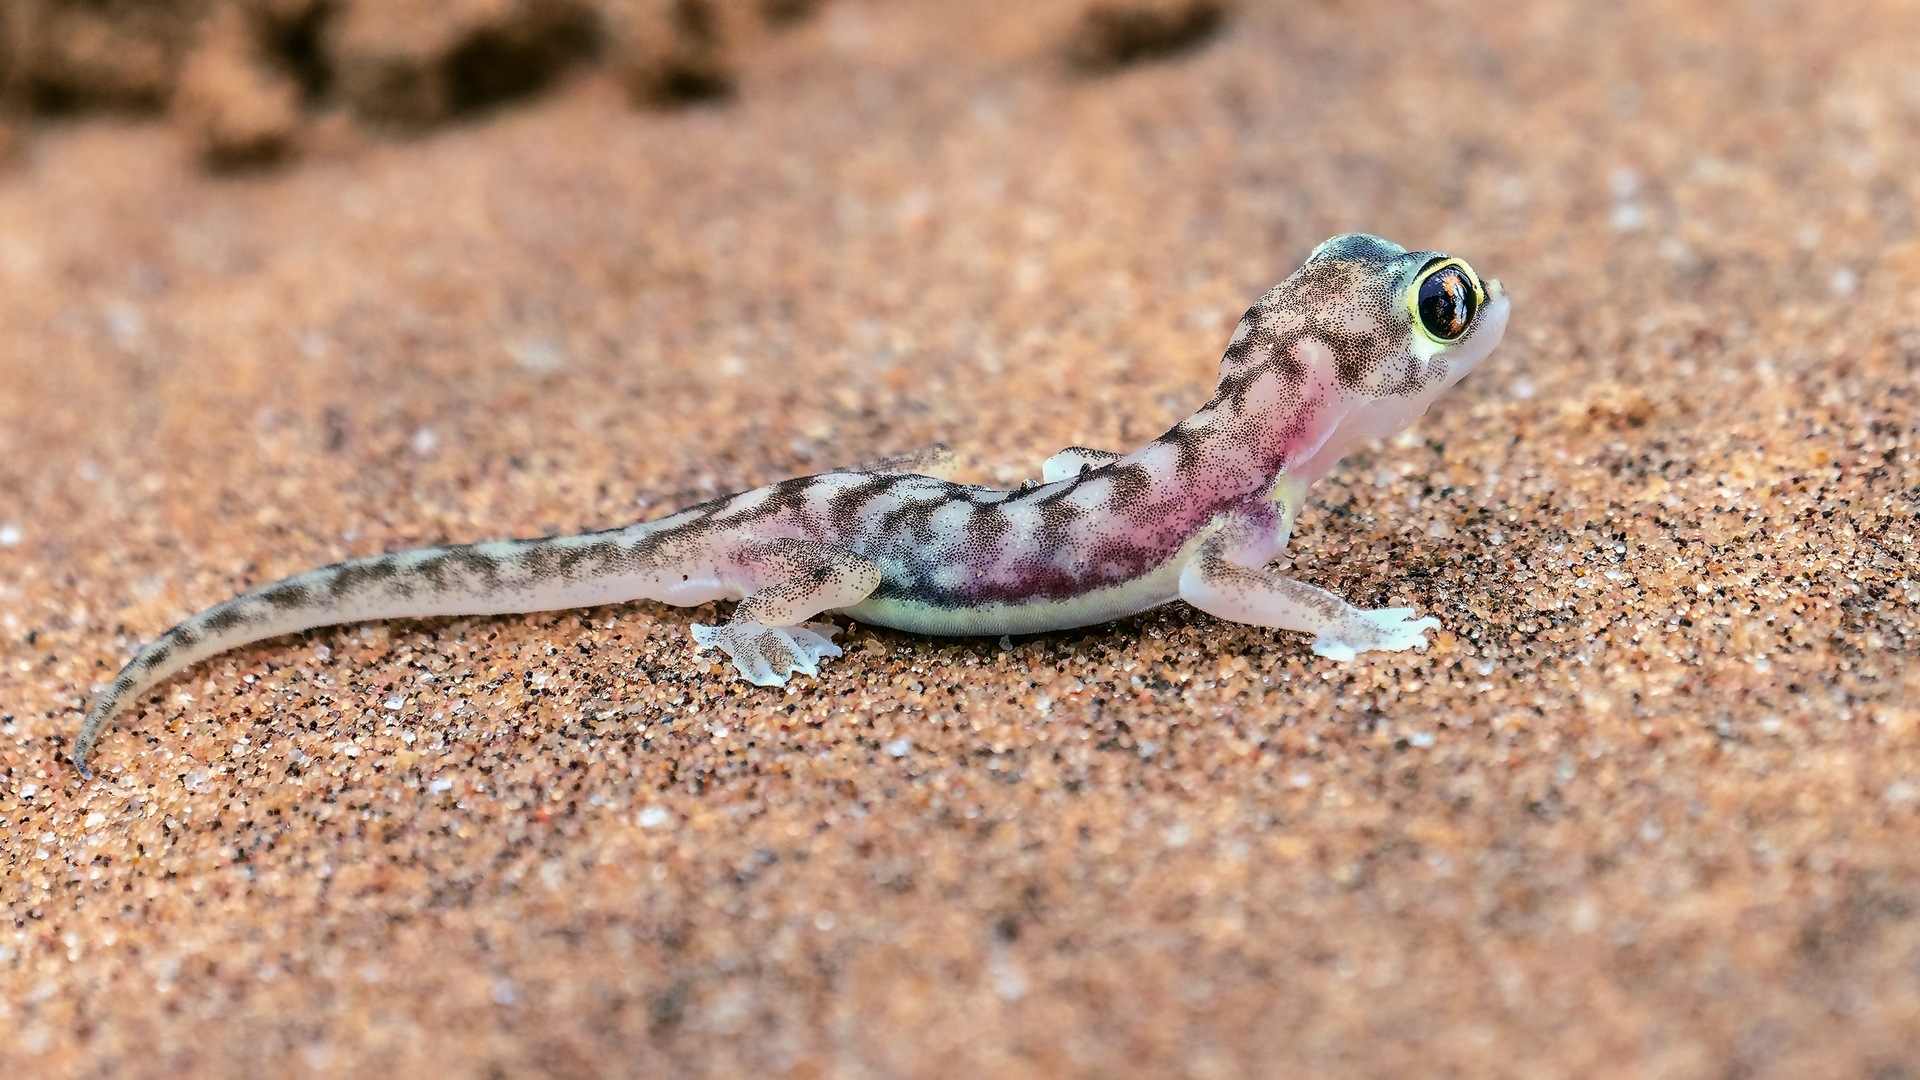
[{"x": 1446, "y": 297}]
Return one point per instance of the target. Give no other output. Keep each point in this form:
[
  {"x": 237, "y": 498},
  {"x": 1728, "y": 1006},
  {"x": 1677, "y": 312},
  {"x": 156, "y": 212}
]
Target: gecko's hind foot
[
  {"x": 766, "y": 655},
  {"x": 1383, "y": 629}
]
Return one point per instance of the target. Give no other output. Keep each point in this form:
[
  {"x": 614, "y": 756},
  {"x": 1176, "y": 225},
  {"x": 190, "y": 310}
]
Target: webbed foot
[
  {"x": 1381, "y": 629},
  {"x": 766, "y": 655}
]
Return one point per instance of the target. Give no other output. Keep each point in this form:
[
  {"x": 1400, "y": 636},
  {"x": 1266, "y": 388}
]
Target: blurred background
[{"x": 283, "y": 282}]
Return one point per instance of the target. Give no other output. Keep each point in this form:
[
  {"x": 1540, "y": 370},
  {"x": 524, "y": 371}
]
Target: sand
[{"x": 1646, "y": 808}]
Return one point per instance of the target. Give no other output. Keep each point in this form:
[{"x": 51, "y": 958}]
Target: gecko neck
[{"x": 1255, "y": 446}]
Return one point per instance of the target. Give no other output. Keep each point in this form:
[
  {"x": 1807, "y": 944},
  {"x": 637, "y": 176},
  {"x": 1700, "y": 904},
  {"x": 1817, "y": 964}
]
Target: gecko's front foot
[
  {"x": 1383, "y": 629},
  {"x": 766, "y": 655}
]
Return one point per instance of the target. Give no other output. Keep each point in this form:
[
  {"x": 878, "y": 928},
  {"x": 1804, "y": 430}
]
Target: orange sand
[{"x": 1647, "y": 809}]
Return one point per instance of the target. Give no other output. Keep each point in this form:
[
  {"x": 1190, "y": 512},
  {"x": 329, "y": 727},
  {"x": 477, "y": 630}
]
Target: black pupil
[{"x": 1447, "y": 302}]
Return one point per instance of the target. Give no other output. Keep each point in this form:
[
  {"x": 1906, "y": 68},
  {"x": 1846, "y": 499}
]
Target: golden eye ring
[{"x": 1444, "y": 299}]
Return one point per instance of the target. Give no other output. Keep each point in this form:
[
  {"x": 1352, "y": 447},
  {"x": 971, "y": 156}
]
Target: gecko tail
[{"x": 504, "y": 577}]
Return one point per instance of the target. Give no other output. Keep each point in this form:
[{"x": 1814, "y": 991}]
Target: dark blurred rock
[
  {"x": 63, "y": 55},
  {"x": 786, "y": 12},
  {"x": 671, "y": 52},
  {"x": 1110, "y": 36},
  {"x": 243, "y": 78},
  {"x": 235, "y": 105},
  {"x": 418, "y": 62},
  {"x": 291, "y": 35}
]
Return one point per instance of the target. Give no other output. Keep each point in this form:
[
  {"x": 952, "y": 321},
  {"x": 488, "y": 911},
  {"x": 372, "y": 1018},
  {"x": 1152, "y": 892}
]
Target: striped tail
[{"x": 503, "y": 577}]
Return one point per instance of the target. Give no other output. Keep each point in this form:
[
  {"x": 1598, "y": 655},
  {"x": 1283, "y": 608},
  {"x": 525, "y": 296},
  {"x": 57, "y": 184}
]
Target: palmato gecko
[{"x": 1354, "y": 346}]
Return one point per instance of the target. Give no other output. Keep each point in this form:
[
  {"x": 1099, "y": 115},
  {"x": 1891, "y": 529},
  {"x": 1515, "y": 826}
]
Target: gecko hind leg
[
  {"x": 769, "y": 638},
  {"x": 1219, "y": 585},
  {"x": 1067, "y": 463},
  {"x": 937, "y": 461}
]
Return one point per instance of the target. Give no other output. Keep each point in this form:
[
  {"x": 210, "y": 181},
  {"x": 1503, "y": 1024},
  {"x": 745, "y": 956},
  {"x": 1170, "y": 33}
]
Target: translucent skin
[{"x": 1331, "y": 356}]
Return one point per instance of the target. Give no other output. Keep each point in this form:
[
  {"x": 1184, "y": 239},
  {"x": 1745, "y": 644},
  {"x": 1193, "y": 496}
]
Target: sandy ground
[{"x": 1646, "y": 809}]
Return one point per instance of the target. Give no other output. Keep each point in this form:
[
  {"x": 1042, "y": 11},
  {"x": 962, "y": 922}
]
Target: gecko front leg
[
  {"x": 769, "y": 637},
  {"x": 1228, "y": 578}
]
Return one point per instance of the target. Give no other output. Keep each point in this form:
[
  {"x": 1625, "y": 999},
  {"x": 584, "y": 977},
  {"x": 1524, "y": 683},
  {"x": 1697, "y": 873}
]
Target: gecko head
[{"x": 1384, "y": 328}]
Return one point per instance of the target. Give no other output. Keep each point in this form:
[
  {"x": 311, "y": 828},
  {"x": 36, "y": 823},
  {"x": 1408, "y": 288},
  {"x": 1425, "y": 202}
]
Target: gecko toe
[
  {"x": 761, "y": 663},
  {"x": 1395, "y": 629},
  {"x": 1333, "y": 648},
  {"x": 815, "y": 639},
  {"x": 811, "y": 643},
  {"x": 821, "y": 632},
  {"x": 1379, "y": 630}
]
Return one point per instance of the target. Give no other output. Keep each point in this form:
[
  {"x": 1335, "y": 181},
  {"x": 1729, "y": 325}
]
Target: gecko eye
[{"x": 1446, "y": 297}]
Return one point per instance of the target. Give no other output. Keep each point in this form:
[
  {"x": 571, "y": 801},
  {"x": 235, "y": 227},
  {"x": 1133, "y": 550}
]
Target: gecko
[{"x": 1354, "y": 345}]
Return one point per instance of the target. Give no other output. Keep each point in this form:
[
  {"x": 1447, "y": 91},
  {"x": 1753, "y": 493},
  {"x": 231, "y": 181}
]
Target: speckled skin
[{"x": 1335, "y": 354}]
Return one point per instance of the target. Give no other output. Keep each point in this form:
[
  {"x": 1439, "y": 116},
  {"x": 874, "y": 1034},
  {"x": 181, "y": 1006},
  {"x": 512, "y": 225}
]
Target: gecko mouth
[{"x": 1489, "y": 328}]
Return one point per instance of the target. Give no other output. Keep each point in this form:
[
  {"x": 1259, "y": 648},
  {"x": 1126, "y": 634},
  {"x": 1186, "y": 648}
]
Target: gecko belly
[{"x": 1150, "y": 590}]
